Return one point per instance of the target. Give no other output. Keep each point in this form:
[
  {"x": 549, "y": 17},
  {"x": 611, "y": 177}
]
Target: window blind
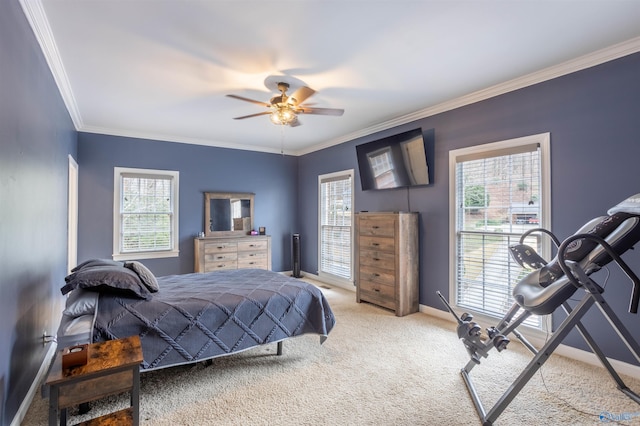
[
  {"x": 498, "y": 199},
  {"x": 146, "y": 213},
  {"x": 335, "y": 225}
]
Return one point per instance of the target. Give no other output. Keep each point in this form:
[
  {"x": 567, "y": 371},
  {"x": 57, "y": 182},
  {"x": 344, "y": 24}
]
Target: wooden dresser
[
  {"x": 387, "y": 259},
  {"x": 216, "y": 253}
]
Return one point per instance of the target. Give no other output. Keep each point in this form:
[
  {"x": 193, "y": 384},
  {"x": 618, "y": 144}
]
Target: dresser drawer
[
  {"x": 252, "y": 259},
  {"x": 218, "y": 266},
  {"x": 257, "y": 245},
  {"x": 377, "y": 259},
  {"x": 381, "y": 295},
  {"x": 253, "y": 263},
  {"x": 380, "y": 276},
  {"x": 220, "y": 247},
  {"x": 220, "y": 257},
  {"x": 382, "y": 227},
  {"x": 376, "y": 243}
]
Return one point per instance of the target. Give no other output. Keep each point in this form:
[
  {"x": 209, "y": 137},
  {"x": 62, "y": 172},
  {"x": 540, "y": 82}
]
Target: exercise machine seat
[{"x": 543, "y": 290}]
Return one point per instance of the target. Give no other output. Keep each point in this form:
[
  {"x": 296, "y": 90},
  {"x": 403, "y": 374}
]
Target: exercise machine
[{"x": 548, "y": 287}]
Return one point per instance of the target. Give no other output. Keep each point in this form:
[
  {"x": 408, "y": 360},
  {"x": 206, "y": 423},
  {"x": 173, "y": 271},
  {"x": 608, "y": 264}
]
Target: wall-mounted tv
[{"x": 396, "y": 161}]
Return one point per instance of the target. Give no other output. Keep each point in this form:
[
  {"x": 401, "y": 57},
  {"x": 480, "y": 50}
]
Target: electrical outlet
[{"x": 47, "y": 338}]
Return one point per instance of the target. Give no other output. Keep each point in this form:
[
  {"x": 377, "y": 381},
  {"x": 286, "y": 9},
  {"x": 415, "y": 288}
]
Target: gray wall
[
  {"x": 592, "y": 116},
  {"x": 36, "y": 136},
  {"x": 271, "y": 177}
]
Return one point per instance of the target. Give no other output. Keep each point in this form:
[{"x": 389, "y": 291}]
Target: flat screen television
[{"x": 396, "y": 161}]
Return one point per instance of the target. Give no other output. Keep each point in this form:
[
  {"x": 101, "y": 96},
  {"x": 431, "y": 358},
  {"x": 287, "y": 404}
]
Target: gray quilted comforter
[{"x": 195, "y": 317}]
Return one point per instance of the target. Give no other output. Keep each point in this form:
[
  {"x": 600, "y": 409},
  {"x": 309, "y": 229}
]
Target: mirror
[{"x": 228, "y": 213}]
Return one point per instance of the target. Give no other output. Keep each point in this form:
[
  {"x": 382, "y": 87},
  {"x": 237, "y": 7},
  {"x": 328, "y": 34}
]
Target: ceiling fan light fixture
[{"x": 282, "y": 115}]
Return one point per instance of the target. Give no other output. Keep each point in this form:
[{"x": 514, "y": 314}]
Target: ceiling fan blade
[
  {"x": 252, "y": 115},
  {"x": 302, "y": 94},
  {"x": 320, "y": 111},
  {"x": 250, "y": 100}
]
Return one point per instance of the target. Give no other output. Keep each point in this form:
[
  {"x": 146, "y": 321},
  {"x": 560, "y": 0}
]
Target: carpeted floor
[{"x": 374, "y": 369}]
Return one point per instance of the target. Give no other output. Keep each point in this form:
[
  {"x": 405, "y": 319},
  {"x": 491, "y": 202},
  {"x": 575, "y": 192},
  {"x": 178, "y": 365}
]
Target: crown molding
[
  {"x": 34, "y": 11},
  {"x": 583, "y": 62},
  {"x": 192, "y": 141}
]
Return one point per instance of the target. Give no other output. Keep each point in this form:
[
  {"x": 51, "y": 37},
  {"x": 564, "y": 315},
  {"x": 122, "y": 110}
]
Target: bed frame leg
[
  {"x": 84, "y": 408},
  {"x": 280, "y": 347}
]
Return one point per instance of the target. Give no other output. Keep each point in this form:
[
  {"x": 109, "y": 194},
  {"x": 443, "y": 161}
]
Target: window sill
[{"x": 146, "y": 255}]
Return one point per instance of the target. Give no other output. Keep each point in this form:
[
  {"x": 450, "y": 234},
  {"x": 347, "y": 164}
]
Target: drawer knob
[
  {"x": 375, "y": 227},
  {"x": 376, "y": 289},
  {"x": 376, "y": 275},
  {"x": 375, "y": 244}
]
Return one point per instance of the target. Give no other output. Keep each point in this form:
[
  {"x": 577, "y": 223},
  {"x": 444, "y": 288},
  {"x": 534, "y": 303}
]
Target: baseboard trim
[
  {"x": 28, "y": 399},
  {"x": 438, "y": 313},
  {"x": 318, "y": 278},
  {"x": 563, "y": 350}
]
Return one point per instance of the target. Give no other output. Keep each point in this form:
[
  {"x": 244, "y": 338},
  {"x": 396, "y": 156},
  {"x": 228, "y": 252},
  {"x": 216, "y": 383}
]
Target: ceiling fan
[{"x": 284, "y": 109}]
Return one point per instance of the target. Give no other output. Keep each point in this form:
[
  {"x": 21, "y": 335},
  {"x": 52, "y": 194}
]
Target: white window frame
[
  {"x": 325, "y": 276},
  {"x": 173, "y": 176},
  {"x": 543, "y": 140}
]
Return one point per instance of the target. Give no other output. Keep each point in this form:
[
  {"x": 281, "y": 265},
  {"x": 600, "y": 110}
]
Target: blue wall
[
  {"x": 593, "y": 117},
  {"x": 36, "y": 137},
  {"x": 271, "y": 177}
]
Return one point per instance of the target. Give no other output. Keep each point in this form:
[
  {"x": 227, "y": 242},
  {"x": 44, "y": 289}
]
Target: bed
[{"x": 188, "y": 318}]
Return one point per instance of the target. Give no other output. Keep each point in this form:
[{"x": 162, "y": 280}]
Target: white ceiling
[{"x": 160, "y": 69}]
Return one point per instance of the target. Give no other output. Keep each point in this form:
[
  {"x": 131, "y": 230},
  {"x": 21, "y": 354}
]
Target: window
[
  {"x": 145, "y": 223},
  {"x": 335, "y": 229},
  {"x": 498, "y": 192},
  {"x": 382, "y": 168}
]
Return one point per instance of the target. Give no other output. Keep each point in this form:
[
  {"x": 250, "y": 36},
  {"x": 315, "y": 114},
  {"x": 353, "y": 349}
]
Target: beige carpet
[{"x": 374, "y": 369}]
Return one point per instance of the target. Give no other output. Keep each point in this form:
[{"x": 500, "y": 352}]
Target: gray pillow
[
  {"x": 97, "y": 262},
  {"x": 108, "y": 279},
  {"x": 145, "y": 275},
  {"x": 81, "y": 302}
]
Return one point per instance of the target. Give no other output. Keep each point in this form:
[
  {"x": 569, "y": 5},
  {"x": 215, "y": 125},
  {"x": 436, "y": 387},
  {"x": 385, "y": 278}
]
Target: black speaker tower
[{"x": 296, "y": 255}]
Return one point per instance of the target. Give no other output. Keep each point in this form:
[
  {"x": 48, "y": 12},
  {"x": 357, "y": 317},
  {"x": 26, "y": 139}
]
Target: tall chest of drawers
[
  {"x": 218, "y": 253},
  {"x": 387, "y": 259}
]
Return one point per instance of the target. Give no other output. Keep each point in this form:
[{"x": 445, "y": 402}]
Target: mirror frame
[{"x": 208, "y": 196}]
